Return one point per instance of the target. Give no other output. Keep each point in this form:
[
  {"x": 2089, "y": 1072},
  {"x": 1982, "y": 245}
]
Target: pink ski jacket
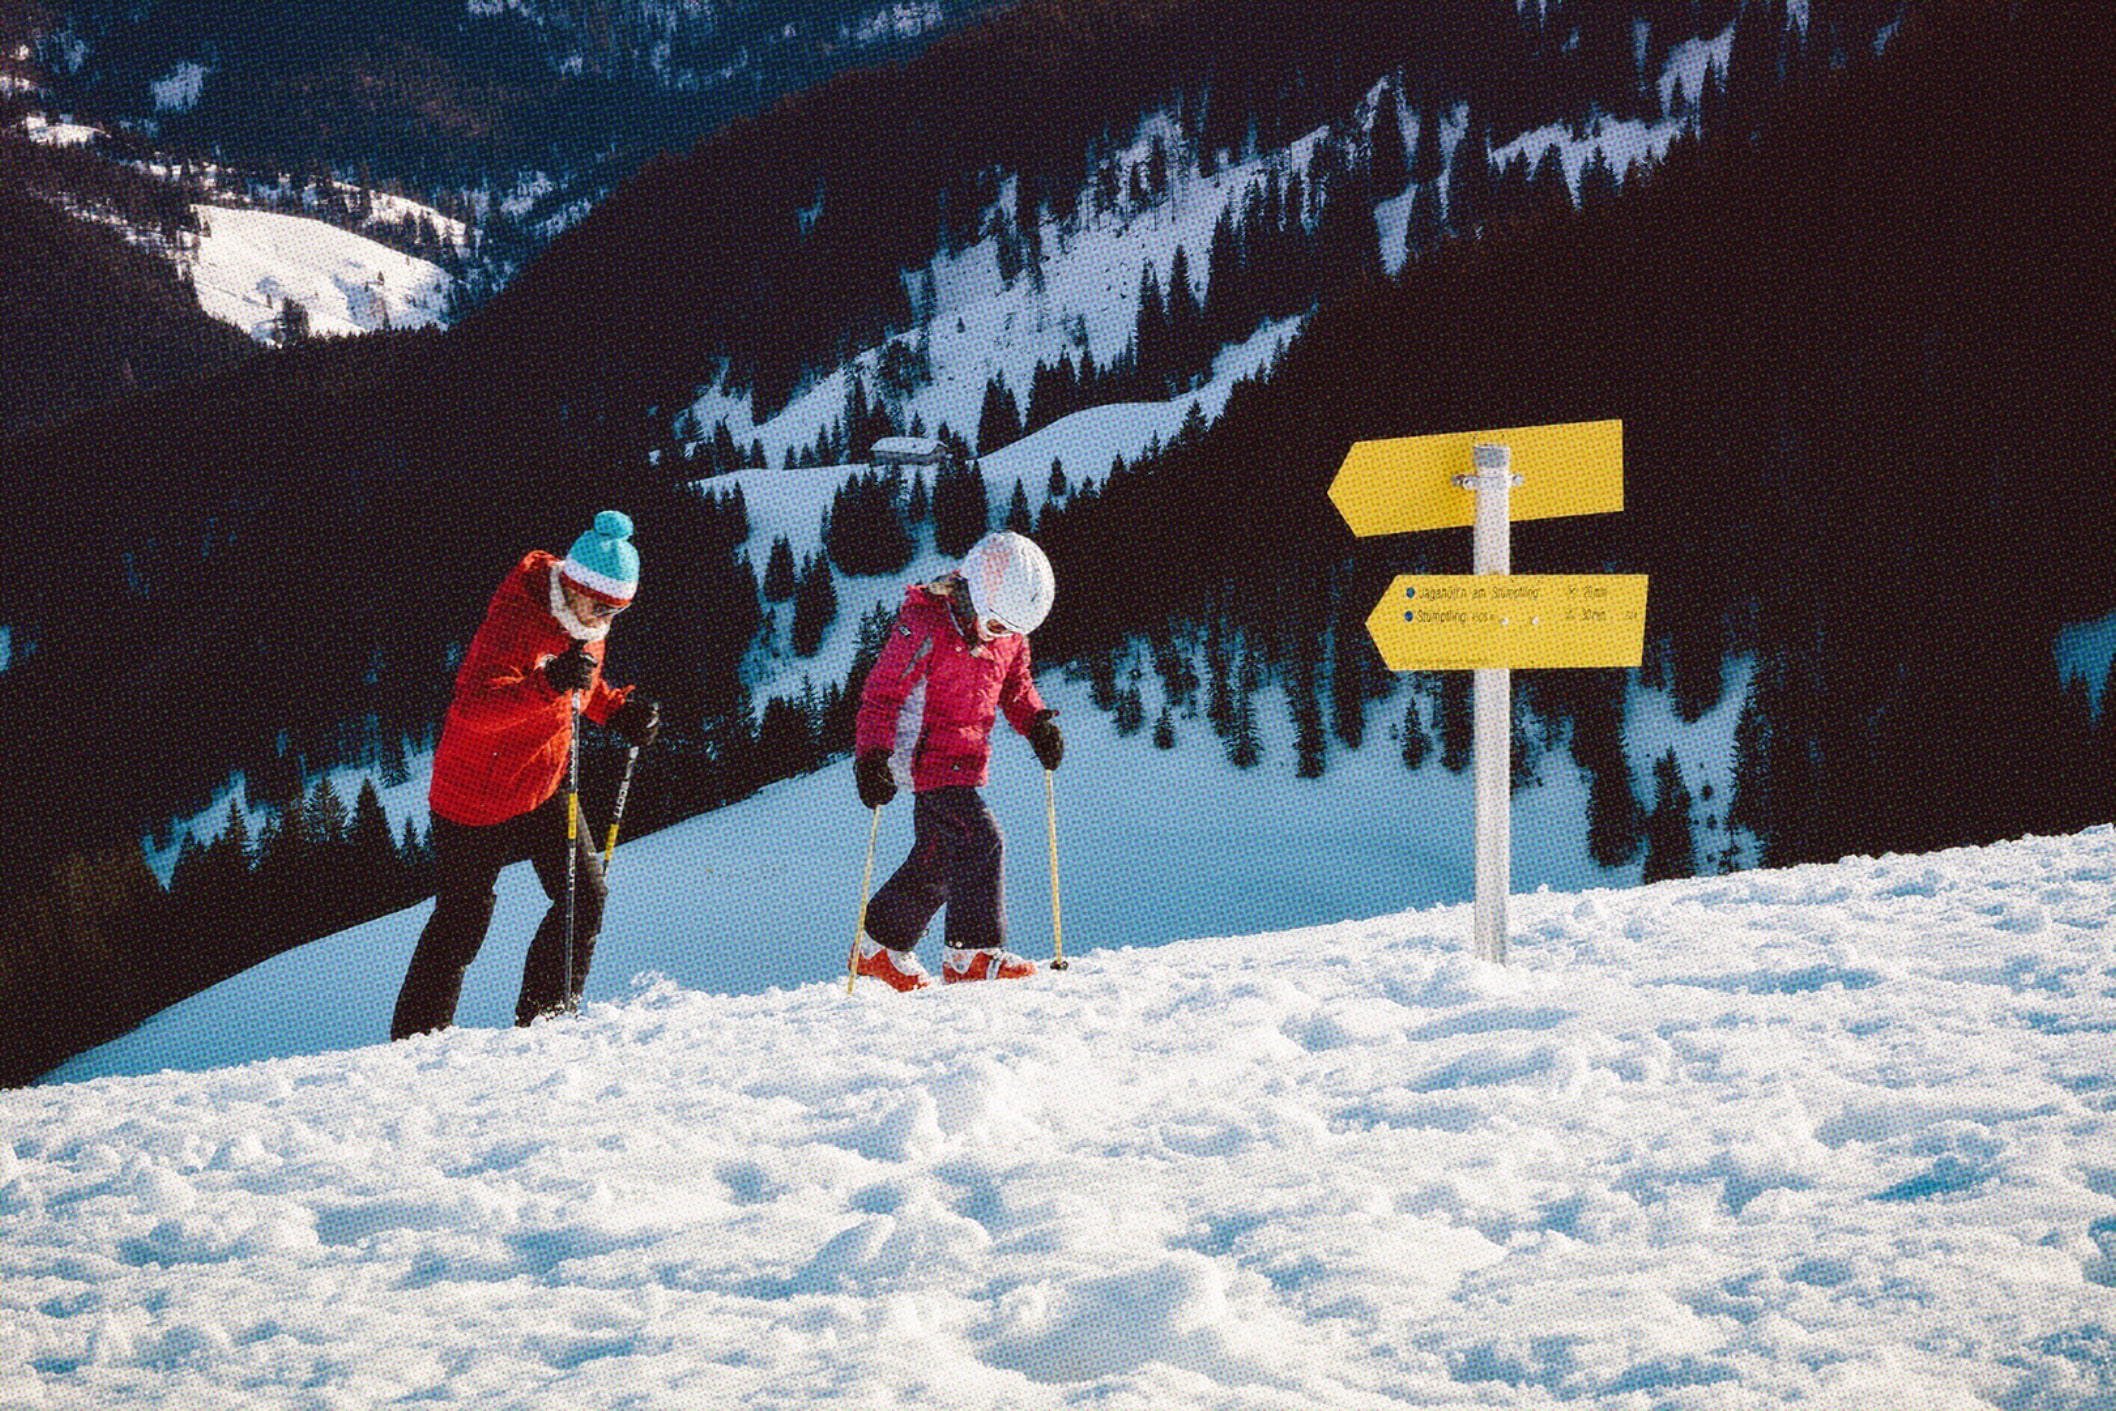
[{"x": 934, "y": 695}]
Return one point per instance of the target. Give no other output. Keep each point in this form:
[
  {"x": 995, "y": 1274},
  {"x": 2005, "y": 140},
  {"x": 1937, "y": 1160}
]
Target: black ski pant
[
  {"x": 467, "y": 863},
  {"x": 957, "y": 860}
]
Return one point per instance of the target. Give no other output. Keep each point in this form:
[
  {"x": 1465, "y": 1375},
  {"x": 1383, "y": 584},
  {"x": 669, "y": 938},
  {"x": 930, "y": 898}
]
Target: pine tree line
[{"x": 314, "y": 869}]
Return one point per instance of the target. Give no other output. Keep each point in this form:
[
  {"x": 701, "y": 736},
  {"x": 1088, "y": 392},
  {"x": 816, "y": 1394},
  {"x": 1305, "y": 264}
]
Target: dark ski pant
[
  {"x": 467, "y": 863},
  {"x": 957, "y": 860}
]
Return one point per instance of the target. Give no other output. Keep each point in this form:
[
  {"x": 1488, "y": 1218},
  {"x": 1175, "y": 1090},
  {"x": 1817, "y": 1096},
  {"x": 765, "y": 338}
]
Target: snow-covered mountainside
[
  {"x": 1835, "y": 1136},
  {"x": 981, "y": 325},
  {"x": 255, "y": 248},
  {"x": 249, "y": 263}
]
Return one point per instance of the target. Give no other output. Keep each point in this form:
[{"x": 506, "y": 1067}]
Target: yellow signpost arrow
[
  {"x": 1457, "y": 622},
  {"x": 1408, "y": 483}
]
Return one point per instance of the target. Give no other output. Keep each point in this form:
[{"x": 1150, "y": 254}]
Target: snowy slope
[
  {"x": 1157, "y": 845},
  {"x": 249, "y": 262},
  {"x": 983, "y": 327},
  {"x": 1153, "y": 847},
  {"x": 1831, "y": 1136}
]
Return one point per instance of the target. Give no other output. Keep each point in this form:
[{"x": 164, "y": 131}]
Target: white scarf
[{"x": 570, "y": 620}]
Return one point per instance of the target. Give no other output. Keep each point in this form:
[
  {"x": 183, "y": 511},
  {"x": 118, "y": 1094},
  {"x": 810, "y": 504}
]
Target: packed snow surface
[{"x": 1834, "y": 1136}]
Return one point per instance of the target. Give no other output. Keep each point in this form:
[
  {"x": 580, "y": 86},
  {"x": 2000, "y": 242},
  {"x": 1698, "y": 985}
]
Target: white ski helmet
[{"x": 1010, "y": 579}]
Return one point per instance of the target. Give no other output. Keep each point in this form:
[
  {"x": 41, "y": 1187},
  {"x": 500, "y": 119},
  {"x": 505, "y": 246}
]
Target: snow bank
[{"x": 1833, "y": 1136}]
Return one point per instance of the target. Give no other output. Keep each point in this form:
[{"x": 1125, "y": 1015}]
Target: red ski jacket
[
  {"x": 503, "y": 744},
  {"x": 940, "y": 692}
]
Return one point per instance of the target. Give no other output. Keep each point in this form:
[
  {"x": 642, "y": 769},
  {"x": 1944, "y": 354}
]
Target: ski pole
[
  {"x": 1050, "y": 810},
  {"x": 852, "y": 961},
  {"x": 572, "y": 849},
  {"x": 617, "y": 811}
]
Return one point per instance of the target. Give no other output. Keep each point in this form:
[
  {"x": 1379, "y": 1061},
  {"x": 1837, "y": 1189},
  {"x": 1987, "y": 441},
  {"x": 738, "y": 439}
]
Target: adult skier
[
  {"x": 958, "y": 657},
  {"x": 495, "y": 796}
]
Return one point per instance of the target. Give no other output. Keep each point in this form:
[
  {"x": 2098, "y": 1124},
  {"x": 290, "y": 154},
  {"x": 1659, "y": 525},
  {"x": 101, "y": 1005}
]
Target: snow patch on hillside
[
  {"x": 38, "y": 128},
  {"x": 1084, "y": 297},
  {"x": 179, "y": 90},
  {"x": 250, "y": 262}
]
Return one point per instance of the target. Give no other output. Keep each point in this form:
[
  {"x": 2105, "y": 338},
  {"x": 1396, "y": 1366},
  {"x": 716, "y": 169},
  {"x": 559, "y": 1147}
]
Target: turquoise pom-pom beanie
[{"x": 602, "y": 563}]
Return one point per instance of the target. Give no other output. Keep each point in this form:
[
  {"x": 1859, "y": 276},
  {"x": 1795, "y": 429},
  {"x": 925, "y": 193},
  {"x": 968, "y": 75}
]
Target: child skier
[
  {"x": 959, "y": 656},
  {"x": 495, "y": 796}
]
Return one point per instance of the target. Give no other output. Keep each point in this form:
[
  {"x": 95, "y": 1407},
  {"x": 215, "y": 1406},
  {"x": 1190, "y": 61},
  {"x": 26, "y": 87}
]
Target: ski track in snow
[{"x": 1833, "y": 1136}]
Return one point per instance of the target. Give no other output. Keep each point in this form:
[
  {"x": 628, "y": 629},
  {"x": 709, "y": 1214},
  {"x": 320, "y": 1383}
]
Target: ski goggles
[
  {"x": 596, "y": 607},
  {"x": 992, "y": 627}
]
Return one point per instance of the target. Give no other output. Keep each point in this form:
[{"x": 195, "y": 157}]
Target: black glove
[
  {"x": 871, "y": 773},
  {"x": 571, "y": 670},
  {"x": 1046, "y": 739},
  {"x": 638, "y": 720}
]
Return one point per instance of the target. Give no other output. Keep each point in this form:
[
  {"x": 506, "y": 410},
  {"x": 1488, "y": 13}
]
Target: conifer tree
[
  {"x": 416, "y": 858},
  {"x": 325, "y": 814},
  {"x": 1456, "y": 723},
  {"x": 375, "y": 873},
  {"x": 1308, "y": 734},
  {"x": 368, "y": 831},
  {"x": 1386, "y": 155},
  {"x": 1245, "y": 745},
  {"x": 1007, "y": 247},
  {"x": 1469, "y": 180},
  {"x": 1130, "y": 712},
  {"x": 1225, "y": 317},
  {"x": 1548, "y": 190},
  {"x": 1219, "y": 699},
  {"x": 1598, "y": 185},
  {"x": 186, "y": 875},
  {"x": 1018, "y": 517},
  {"x": 228, "y": 856},
  {"x": 1613, "y": 815},
  {"x": 730, "y": 738},
  {"x": 784, "y": 743},
  {"x": 1712, "y": 101},
  {"x": 999, "y": 419},
  {"x": 1164, "y": 730},
  {"x": 961, "y": 511},
  {"x": 1351, "y": 653},
  {"x": 815, "y": 606},
  {"x": 1417, "y": 745},
  {"x": 1671, "y": 847},
  {"x": 1423, "y": 227},
  {"x": 1188, "y": 356},
  {"x": 1150, "y": 335},
  {"x": 283, "y": 854},
  {"x": 1752, "y": 64},
  {"x": 1525, "y": 754},
  {"x": 394, "y": 764},
  {"x": 1428, "y": 160},
  {"x": 780, "y": 577}
]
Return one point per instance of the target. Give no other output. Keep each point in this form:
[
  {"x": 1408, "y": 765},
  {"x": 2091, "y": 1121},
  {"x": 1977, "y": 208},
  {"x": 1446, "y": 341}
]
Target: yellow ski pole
[
  {"x": 567, "y": 1004},
  {"x": 852, "y": 961},
  {"x": 1050, "y": 810},
  {"x": 617, "y": 812}
]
